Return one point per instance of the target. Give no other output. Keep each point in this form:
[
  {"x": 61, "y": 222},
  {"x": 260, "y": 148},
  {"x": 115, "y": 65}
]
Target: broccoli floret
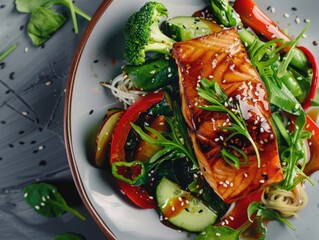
[{"x": 142, "y": 34}]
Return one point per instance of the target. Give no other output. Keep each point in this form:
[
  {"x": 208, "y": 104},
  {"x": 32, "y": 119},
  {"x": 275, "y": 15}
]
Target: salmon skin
[{"x": 222, "y": 57}]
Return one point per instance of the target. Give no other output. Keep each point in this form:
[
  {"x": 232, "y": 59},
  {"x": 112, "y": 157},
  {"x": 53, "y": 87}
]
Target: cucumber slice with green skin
[
  {"x": 182, "y": 209},
  {"x": 186, "y": 28}
]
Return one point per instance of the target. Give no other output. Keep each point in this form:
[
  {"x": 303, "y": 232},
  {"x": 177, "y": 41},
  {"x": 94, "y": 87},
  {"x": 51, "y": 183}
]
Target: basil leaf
[
  {"x": 45, "y": 199},
  {"x": 43, "y": 24},
  {"x": 69, "y": 236}
]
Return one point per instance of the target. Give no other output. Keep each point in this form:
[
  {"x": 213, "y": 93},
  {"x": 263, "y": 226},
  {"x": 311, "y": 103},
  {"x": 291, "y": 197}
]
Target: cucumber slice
[
  {"x": 182, "y": 209},
  {"x": 186, "y": 28}
]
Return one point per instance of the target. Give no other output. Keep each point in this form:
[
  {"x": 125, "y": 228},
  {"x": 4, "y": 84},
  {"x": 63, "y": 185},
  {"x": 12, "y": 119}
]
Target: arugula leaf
[
  {"x": 266, "y": 213},
  {"x": 252, "y": 228},
  {"x": 43, "y": 24},
  {"x": 69, "y": 236},
  {"x": 293, "y": 153},
  {"x": 8, "y": 51},
  {"x": 45, "y": 199}
]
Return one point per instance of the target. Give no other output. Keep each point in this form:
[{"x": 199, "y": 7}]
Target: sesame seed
[
  {"x": 231, "y": 218},
  {"x": 297, "y": 20},
  {"x": 226, "y": 221},
  {"x": 307, "y": 20},
  {"x": 286, "y": 15},
  {"x": 218, "y": 234},
  {"x": 37, "y": 207},
  {"x": 25, "y": 195},
  {"x": 245, "y": 175},
  {"x": 262, "y": 181}
]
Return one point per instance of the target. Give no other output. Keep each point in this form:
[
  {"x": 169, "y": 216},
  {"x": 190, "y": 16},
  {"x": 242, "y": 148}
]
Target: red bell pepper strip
[
  {"x": 136, "y": 194},
  {"x": 252, "y": 16},
  {"x": 315, "y": 81},
  {"x": 313, "y": 164}
]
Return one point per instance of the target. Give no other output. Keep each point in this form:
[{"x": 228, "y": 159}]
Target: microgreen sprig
[
  {"x": 175, "y": 143},
  {"x": 213, "y": 93},
  {"x": 8, "y": 51}
]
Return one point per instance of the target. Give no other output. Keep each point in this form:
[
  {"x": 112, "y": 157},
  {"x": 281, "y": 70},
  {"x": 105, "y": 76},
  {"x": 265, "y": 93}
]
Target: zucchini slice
[{"x": 186, "y": 28}]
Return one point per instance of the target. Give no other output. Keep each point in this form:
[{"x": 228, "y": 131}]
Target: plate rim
[{"x": 67, "y": 119}]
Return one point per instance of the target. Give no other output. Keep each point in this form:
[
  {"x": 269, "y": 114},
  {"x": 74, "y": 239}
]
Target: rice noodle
[
  {"x": 287, "y": 203},
  {"x": 123, "y": 89}
]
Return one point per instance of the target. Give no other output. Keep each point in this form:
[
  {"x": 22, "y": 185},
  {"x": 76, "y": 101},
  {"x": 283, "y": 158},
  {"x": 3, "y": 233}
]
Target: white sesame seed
[
  {"x": 37, "y": 207},
  {"x": 245, "y": 175},
  {"x": 272, "y": 10},
  {"x": 262, "y": 181},
  {"x": 286, "y": 15},
  {"x": 231, "y": 218},
  {"x": 218, "y": 234},
  {"x": 297, "y": 20},
  {"x": 25, "y": 195}
]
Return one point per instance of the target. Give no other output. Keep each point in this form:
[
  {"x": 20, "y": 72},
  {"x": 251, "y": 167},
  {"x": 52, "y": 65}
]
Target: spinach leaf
[
  {"x": 69, "y": 236},
  {"x": 43, "y": 24},
  {"x": 45, "y": 199},
  {"x": 33, "y": 6},
  {"x": 8, "y": 51},
  {"x": 219, "y": 232}
]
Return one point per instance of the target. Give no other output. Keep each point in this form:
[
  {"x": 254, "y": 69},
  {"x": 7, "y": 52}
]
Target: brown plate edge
[{"x": 67, "y": 119}]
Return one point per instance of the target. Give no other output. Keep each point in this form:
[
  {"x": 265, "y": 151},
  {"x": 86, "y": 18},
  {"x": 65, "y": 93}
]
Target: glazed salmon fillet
[{"x": 222, "y": 57}]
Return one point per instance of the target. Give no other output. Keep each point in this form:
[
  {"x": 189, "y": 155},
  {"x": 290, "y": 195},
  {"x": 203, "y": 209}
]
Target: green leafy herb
[
  {"x": 43, "y": 24},
  {"x": 292, "y": 152},
  {"x": 283, "y": 89},
  {"x": 175, "y": 143},
  {"x": 265, "y": 213},
  {"x": 8, "y": 51},
  {"x": 37, "y": 16},
  {"x": 69, "y": 236},
  {"x": 256, "y": 214},
  {"x": 45, "y": 199},
  {"x": 213, "y": 93}
]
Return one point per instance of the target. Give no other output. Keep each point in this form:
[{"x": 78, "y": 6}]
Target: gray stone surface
[{"x": 32, "y": 90}]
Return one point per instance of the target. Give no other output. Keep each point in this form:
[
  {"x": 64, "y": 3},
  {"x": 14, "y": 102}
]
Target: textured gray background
[{"x": 32, "y": 83}]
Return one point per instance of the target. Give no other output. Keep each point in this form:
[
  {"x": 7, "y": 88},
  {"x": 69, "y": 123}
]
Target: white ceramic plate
[{"x": 99, "y": 58}]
